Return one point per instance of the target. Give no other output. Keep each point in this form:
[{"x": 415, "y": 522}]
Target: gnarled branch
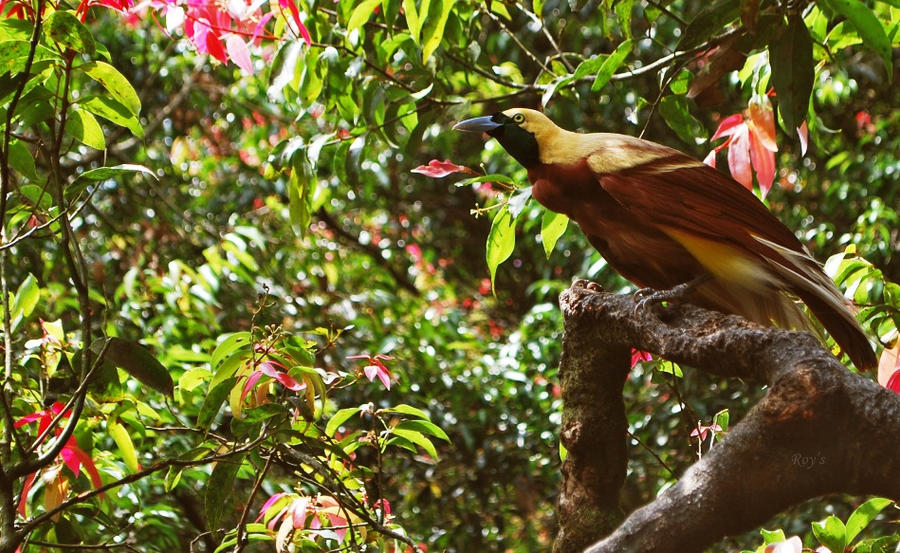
[{"x": 819, "y": 429}]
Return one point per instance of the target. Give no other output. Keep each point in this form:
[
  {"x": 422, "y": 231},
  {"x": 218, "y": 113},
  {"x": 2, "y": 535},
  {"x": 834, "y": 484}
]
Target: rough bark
[{"x": 820, "y": 428}]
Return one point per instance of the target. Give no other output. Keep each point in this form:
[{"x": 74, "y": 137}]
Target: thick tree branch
[{"x": 820, "y": 429}]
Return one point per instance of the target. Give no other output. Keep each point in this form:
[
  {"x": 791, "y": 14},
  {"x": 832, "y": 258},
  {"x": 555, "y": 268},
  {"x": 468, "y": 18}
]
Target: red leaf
[
  {"x": 727, "y": 126},
  {"x": 437, "y": 169},
  {"x": 295, "y": 14},
  {"x": 739, "y": 157},
  {"x": 26, "y": 487},
  {"x": 215, "y": 47},
  {"x": 638, "y": 356},
  {"x": 763, "y": 161},
  {"x": 893, "y": 382}
]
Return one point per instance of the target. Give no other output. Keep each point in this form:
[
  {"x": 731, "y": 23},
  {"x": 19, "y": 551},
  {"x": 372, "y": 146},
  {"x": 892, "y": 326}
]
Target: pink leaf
[
  {"x": 437, "y": 169},
  {"x": 299, "y": 511},
  {"x": 793, "y": 545},
  {"x": 337, "y": 520},
  {"x": 726, "y": 127},
  {"x": 239, "y": 53},
  {"x": 286, "y": 380},
  {"x": 371, "y": 371},
  {"x": 71, "y": 459},
  {"x": 710, "y": 159},
  {"x": 269, "y": 502},
  {"x": 803, "y": 133},
  {"x": 261, "y": 25},
  {"x": 739, "y": 157},
  {"x": 763, "y": 161},
  {"x": 888, "y": 364},
  {"x": 251, "y": 382}
]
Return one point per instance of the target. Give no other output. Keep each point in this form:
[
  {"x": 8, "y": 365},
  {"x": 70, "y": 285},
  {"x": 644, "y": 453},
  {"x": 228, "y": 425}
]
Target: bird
[{"x": 668, "y": 222}]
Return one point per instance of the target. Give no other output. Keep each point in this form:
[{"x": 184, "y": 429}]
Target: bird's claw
[{"x": 648, "y": 297}]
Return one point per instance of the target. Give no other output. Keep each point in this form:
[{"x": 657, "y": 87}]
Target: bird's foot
[{"x": 648, "y": 297}]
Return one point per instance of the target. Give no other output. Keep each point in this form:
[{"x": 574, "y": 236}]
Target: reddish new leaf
[
  {"x": 215, "y": 47},
  {"x": 762, "y": 122},
  {"x": 638, "y": 356},
  {"x": 727, "y": 126},
  {"x": 739, "y": 156},
  {"x": 763, "y": 161},
  {"x": 437, "y": 169},
  {"x": 803, "y": 133},
  {"x": 893, "y": 382}
]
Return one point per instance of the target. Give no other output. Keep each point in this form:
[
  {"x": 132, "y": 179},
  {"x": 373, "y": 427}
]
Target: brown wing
[{"x": 714, "y": 217}]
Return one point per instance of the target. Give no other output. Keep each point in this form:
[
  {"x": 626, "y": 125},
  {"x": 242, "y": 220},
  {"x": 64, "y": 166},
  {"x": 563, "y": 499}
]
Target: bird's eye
[{"x": 518, "y": 118}]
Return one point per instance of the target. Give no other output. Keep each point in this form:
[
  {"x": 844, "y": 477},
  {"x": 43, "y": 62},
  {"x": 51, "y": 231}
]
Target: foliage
[{"x": 244, "y": 308}]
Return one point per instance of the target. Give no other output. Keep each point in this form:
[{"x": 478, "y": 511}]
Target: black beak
[{"x": 477, "y": 124}]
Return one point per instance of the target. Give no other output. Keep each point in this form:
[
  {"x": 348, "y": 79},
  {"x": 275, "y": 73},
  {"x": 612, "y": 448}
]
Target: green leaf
[
  {"x": 228, "y": 345},
  {"x": 434, "y": 34},
  {"x": 219, "y": 489},
  {"x": 14, "y": 55},
  {"x": 21, "y": 160},
  {"x": 115, "y": 83},
  {"x": 405, "y": 409},
  {"x": 114, "y": 112},
  {"x": 82, "y": 126},
  {"x": 623, "y": 14},
  {"x": 123, "y": 441},
  {"x": 589, "y": 66},
  {"x": 610, "y": 65},
  {"x": 298, "y": 201},
  {"x": 213, "y": 401},
  {"x": 413, "y": 21},
  {"x": 501, "y": 242},
  {"x": 25, "y": 300},
  {"x": 553, "y": 225},
  {"x": 863, "y": 515},
  {"x": 790, "y": 57},
  {"x": 139, "y": 362},
  {"x": 339, "y": 418},
  {"x": 173, "y": 477},
  {"x": 772, "y": 536},
  {"x": 361, "y": 14},
  {"x": 831, "y": 533},
  {"x": 677, "y": 115},
  {"x": 193, "y": 378},
  {"x": 425, "y": 427},
  {"x": 711, "y": 20},
  {"x": 15, "y": 29},
  {"x": 868, "y": 26},
  {"x": 417, "y": 438},
  {"x": 66, "y": 30},
  {"x": 104, "y": 173}
]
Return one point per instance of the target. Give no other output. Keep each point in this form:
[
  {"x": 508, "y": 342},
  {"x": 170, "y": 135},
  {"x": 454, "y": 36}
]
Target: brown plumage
[{"x": 661, "y": 218}]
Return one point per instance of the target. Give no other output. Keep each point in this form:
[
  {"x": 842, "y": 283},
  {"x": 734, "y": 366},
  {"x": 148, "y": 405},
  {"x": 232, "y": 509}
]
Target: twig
[{"x": 240, "y": 540}]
